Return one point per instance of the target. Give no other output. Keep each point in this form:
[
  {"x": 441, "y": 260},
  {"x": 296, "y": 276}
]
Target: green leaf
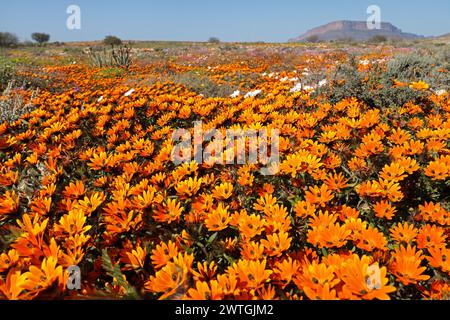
[
  {"x": 113, "y": 270},
  {"x": 212, "y": 238}
]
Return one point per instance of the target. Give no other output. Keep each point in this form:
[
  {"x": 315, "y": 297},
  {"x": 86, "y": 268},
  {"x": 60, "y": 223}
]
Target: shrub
[
  {"x": 112, "y": 41},
  {"x": 203, "y": 85},
  {"x": 7, "y": 72},
  {"x": 347, "y": 82},
  {"x": 443, "y": 55},
  {"x": 378, "y": 39},
  {"x": 416, "y": 67},
  {"x": 410, "y": 67},
  {"x": 313, "y": 39},
  {"x": 8, "y": 39},
  {"x": 116, "y": 57},
  {"x": 12, "y": 106},
  {"x": 214, "y": 40},
  {"x": 40, "y": 38}
]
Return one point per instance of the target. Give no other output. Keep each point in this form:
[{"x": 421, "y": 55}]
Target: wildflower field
[{"x": 358, "y": 206}]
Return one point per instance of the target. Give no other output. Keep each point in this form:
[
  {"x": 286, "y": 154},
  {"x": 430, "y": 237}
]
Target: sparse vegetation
[
  {"x": 8, "y": 39},
  {"x": 40, "y": 38},
  {"x": 112, "y": 41},
  {"x": 214, "y": 40}
]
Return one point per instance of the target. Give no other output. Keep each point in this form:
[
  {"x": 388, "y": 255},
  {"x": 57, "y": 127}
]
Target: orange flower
[
  {"x": 439, "y": 169},
  {"x": 170, "y": 212},
  {"x": 163, "y": 253},
  {"x": 223, "y": 191},
  {"x": 315, "y": 275},
  {"x": 135, "y": 259},
  {"x": 73, "y": 223},
  {"x": 102, "y": 160},
  {"x": 146, "y": 199},
  {"x": 371, "y": 239},
  {"x": 364, "y": 281},
  {"x": 205, "y": 271},
  {"x": 171, "y": 277},
  {"x": 304, "y": 209},
  {"x": 9, "y": 203},
  {"x": 384, "y": 210},
  {"x": 277, "y": 243},
  {"x": 406, "y": 265},
  {"x": 264, "y": 202},
  {"x": 439, "y": 258},
  {"x": 252, "y": 250},
  {"x": 218, "y": 219},
  {"x": 205, "y": 291},
  {"x": 9, "y": 259},
  {"x": 320, "y": 196},
  {"x": 74, "y": 190},
  {"x": 435, "y": 213},
  {"x": 394, "y": 172},
  {"x": 431, "y": 237},
  {"x": 252, "y": 274},
  {"x": 39, "y": 279},
  {"x": 188, "y": 187},
  {"x": 419, "y": 86},
  {"x": 14, "y": 286},
  {"x": 336, "y": 182},
  {"x": 90, "y": 204},
  {"x": 251, "y": 226},
  {"x": 286, "y": 270},
  {"x": 228, "y": 284},
  {"x": 331, "y": 236},
  {"x": 404, "y": 233},
  {"x": 167, "y": 280}
]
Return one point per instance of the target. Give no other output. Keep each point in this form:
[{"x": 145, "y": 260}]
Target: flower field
[{"x": 358, "y": 206}]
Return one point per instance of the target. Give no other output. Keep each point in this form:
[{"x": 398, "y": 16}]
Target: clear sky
[{"x": 197, "y": 20}]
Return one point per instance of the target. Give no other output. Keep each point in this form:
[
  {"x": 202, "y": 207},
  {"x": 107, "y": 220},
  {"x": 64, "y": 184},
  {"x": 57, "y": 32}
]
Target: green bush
[
  {"x": 203, "y": 85},
  {"x": 112, "y": 41},
  {"x": 410, "y": 67},
  {"x": 378, "y": 39},
  {"x": 214, "y": 40},
  {"x": 12, "y": 106},
  {"x": 7, "y": 72},
  {"x": 114, "y": 58},
  {"x": 8, "y": 39},
  {"x": 40, "y": 38},
  {"x": 346, "y": 81}
]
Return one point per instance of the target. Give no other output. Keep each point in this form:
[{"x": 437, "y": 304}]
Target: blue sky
[{"x": 197, "y": 20}]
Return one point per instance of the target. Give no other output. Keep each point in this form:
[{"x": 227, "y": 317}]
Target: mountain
[
  {"x": 444, "y": 36},
  {"x": 356, "y": 30}
]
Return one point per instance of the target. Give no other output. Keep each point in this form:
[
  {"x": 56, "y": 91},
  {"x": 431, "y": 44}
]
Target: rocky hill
[{"x": 356, "y": 30}]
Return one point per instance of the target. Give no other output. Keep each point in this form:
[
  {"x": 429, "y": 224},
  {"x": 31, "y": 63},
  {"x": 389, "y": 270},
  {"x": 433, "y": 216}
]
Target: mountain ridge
[{"x": 356, "y": 30}]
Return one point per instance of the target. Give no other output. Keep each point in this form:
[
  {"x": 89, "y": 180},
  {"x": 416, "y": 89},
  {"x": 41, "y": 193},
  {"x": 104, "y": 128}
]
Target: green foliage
[
  {"x": 7, "y": 72},
  {"x": 410, "y": 67},
  {"x": 111, "y": 73},
  {"x": 12, "y": 106},
  {"x": 214, "y": 40},
  {"x": 40, "y": 37},
  {"x": 378, "y": 39},
  {"x": 313, "y": 39},
  {"x": 8, "y": 39},
  {"x": 347, "y": 81},
  {"x": 113, "y": 58},
  {"x": 113, "y": 270},
  {"x": 112, "y": 41},
  {"x": 202, "y": 84}
]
